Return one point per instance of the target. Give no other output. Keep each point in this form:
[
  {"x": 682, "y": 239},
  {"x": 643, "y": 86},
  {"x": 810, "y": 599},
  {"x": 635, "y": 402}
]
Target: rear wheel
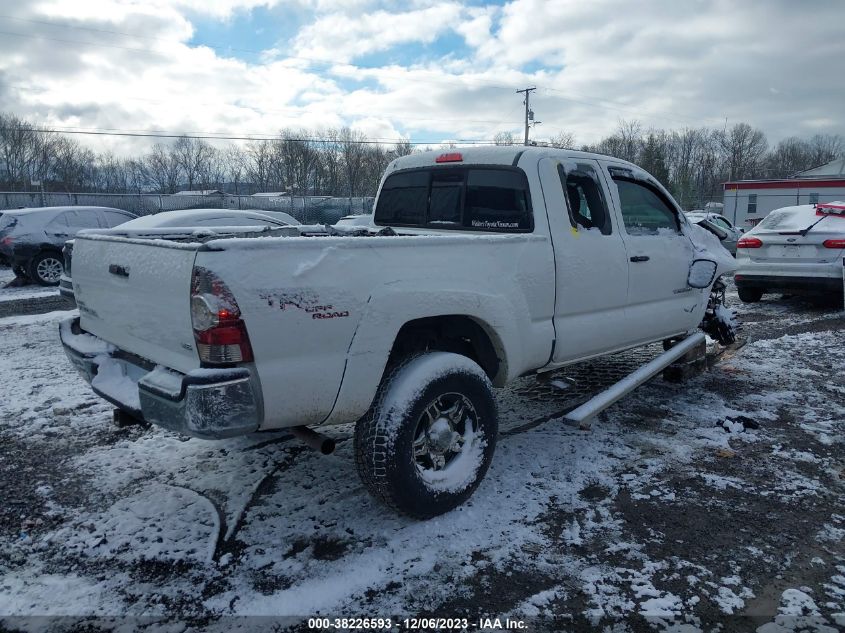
[
  {"x": 749, "y": 295},
  {"x": 47, "y": 268},
  {"x": 427, "y": 442}
]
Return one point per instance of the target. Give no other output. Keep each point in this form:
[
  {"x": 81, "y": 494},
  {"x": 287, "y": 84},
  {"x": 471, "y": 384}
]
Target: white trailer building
[{"x": 749, "y": 201}]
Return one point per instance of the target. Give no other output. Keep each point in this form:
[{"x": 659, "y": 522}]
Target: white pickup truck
[{"x": 481, "y": 265}]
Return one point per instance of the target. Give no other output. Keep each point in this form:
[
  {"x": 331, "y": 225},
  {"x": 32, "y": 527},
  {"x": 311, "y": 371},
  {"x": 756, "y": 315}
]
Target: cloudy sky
[{"x": 426, "y": 70}]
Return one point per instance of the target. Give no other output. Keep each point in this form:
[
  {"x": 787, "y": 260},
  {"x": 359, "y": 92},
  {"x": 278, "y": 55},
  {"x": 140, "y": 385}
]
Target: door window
[
  {"x": 82, "y": 219},
  {"x": 58, "y": 224},
  {"x": 644, "y": 209},
  {"x": 112, "y": 219},
  {"x": 584, "y": 198}
]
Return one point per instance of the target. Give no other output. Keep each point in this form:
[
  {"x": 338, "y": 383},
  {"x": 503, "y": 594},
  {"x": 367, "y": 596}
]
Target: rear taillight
[
  {"x": 219, "y": 331},
  {"x": 749, "y": 242},
  {"x": 6, "y": 241},
  {"x": 838, "y": 243}
]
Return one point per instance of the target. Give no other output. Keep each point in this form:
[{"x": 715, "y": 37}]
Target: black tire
[
  {"x": 43, "y": 267},
  {"x": 749, "y": 295},
  {"x": 385, "y": 438}
]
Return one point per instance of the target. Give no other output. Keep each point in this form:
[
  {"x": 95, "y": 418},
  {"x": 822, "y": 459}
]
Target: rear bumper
[
  {"x": 796, "y": 284},
  {"x": 206, "y": 403}
]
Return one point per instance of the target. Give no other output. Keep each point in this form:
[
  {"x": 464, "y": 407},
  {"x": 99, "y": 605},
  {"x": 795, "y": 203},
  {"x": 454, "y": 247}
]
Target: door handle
[
  {"x": 639, "y": 258},
  {"x": 120, "y": 271}
]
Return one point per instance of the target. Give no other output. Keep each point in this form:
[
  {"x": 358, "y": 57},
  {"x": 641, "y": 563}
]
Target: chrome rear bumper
[{"x": 206, "y": 403}]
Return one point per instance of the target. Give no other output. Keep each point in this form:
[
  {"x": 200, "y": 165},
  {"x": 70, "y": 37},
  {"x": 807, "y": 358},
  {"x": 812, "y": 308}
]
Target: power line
[{"x": 212, "y": 137}]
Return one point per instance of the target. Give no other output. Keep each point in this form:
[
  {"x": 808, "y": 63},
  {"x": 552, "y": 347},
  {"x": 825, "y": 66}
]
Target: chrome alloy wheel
[
  {"x": 443, "y": 430},
  {"x": 49, "y": 269}
]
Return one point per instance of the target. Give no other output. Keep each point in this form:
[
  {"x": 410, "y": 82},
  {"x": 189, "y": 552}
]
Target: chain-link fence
[{"x": 306, "y": 209}]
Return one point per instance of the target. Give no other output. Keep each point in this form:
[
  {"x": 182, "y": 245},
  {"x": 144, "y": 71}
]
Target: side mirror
[{"x": 701, "y": 273}]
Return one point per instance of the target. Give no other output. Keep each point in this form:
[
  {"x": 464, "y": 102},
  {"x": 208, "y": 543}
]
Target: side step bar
[{"x": 601, "y": 401}]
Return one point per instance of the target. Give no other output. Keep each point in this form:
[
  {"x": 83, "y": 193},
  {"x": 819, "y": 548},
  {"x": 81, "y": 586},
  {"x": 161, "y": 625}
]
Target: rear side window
[
  {"x": 481, "y": 199},
  {"x": 404, "y": 199},
  {"x": 584, "y": 198},
  {"x": 644, "y": 211},
  {"x": 83, "y": 219},
  {"x": 113, "y": 219},
  {"x": 59, "y": 222}
]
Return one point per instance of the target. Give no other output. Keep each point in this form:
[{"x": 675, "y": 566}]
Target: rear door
[
  {"x": 136, "y": 296},
  {"x": 591, "y": 265},
  {"x": 660, "y": 303}
]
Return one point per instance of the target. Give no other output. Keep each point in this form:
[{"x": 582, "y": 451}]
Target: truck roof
[{"x": 495, "y": 155}]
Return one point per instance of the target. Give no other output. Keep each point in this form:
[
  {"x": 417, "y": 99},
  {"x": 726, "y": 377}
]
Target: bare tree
[
  {"x": 20, "y": 150},
  {"x": 353, "y": 151},
  {"x": 235, "y": 163},
  {"x": 162, "y": 169},
  {"x": 72, "y": 164},
  {"x": 194, "y": 157},
  {"x": 563, "y": 139},
  {"x": 825, "y": 148},
  {"x": 259, "y": 165},
  {"x": 504, "y": 138},
  {"x": 403, "y": 148},
  {"x": 743, "y": 149}
]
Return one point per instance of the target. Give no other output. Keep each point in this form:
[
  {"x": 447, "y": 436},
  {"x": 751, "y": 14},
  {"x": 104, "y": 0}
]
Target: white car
[
  {"x": 794, "y": 249},
  {"x": 362, "y": 219},
  {"x": 482, "y": 265}
]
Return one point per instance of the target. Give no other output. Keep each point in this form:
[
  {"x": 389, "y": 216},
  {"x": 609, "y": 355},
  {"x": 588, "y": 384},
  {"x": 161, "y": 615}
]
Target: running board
[{"x": 582, "y": 415}]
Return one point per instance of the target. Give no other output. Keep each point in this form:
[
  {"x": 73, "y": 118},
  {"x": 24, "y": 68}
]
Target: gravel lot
[{"x": 718, "y": 501}]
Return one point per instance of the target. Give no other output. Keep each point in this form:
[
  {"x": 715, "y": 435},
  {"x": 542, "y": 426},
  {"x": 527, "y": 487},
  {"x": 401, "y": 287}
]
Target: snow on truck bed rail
[{"x": 243, "y": 238}]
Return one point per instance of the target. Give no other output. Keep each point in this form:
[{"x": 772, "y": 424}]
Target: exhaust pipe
[{"x": 314, "y": 440}]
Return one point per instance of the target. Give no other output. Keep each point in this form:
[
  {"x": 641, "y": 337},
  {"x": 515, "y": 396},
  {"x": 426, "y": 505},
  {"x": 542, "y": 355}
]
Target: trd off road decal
[{"x": 304, "y": 300}]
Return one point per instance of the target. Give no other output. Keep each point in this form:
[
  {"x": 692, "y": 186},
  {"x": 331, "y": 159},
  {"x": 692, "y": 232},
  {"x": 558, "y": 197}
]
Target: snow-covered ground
[
  {"x": 687, "y": 504},
  {"x": 30, "y": 291}
]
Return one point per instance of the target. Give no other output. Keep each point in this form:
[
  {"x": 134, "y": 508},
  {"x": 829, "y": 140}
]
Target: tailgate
[{"x": 135, "y": 294}]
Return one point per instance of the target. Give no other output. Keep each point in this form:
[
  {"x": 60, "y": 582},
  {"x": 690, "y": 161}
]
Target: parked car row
[{"x": 32, "y": 240}]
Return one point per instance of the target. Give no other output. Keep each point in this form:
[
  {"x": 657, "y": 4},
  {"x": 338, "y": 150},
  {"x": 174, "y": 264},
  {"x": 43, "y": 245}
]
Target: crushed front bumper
[{"x": 206, "y": 403}]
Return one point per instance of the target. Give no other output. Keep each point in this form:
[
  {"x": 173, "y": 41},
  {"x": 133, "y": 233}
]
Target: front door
[
  {"x": 591, "y": 263},
  {"x": 660, "y": 303}
]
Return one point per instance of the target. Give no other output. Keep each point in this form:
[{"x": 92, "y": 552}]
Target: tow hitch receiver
[{"x": 582, "y": 416}]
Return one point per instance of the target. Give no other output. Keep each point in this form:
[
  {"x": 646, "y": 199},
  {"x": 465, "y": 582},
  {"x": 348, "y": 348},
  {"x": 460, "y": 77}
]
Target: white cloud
[
  {"x": 667, "y": 64},
  {"x": 343, "y": 36}
]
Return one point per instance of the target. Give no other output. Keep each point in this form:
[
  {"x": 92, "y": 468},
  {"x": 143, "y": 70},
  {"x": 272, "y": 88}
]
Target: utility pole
[{"x": 529, "y": 115}]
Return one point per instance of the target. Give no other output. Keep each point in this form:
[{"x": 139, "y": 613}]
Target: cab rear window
[{"x": 475, "y": 199}]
